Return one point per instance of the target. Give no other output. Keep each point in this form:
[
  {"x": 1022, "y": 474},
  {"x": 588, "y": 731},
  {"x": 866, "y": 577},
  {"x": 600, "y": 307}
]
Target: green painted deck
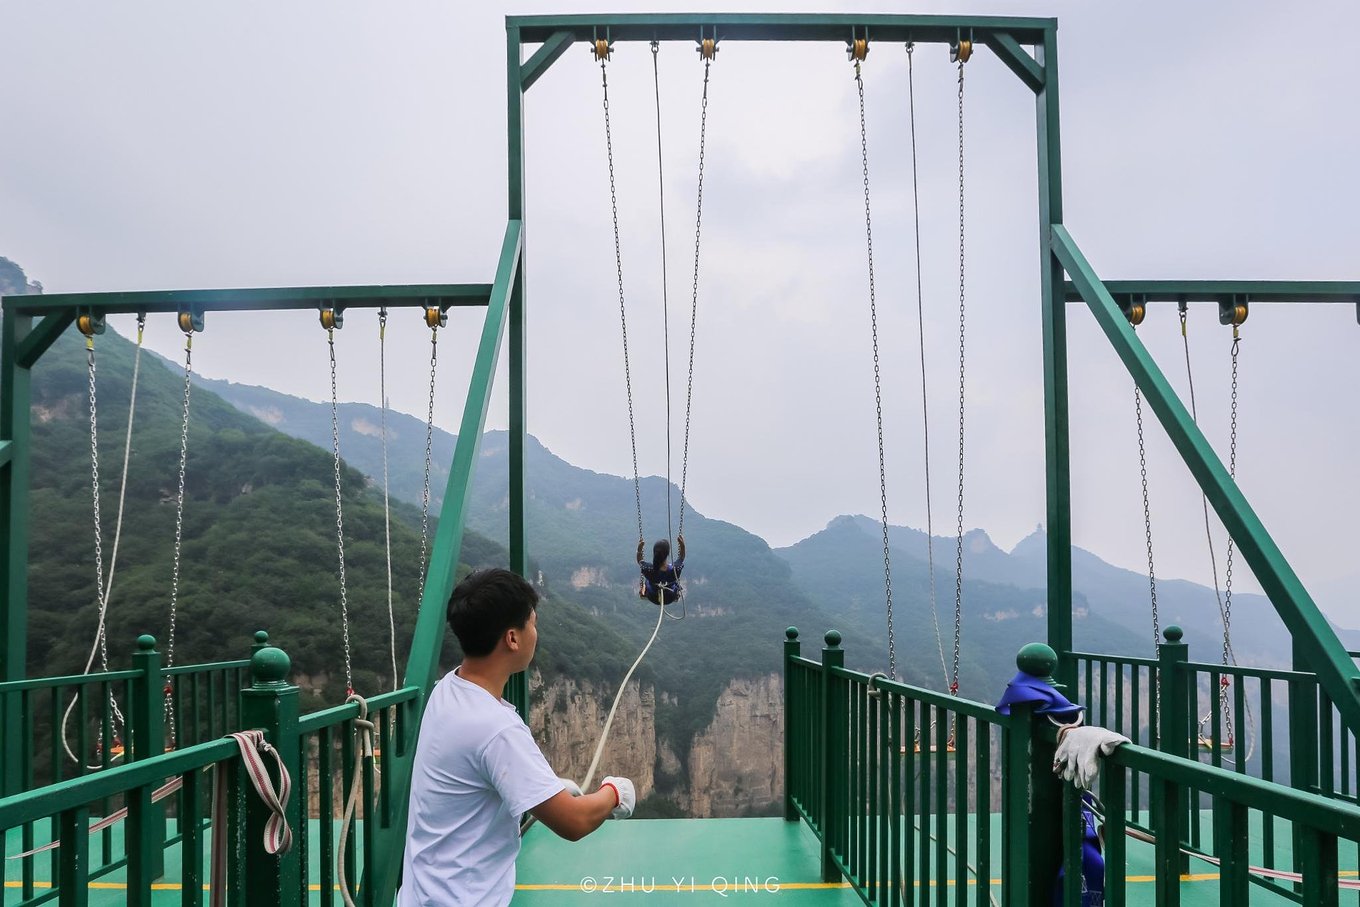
[{"x": 681, "y": 861}]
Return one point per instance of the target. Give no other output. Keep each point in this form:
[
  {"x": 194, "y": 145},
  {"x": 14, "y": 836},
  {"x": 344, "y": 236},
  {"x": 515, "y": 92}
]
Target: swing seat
[
  {"x": 933, "y": 748},
  {"x": 1207, "y": 743}
]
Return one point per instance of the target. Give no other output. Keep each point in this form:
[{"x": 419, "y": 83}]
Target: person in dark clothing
[{"x": 660, "y": 583}]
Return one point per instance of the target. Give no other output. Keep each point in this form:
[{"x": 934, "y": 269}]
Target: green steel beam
[
  {"x": 6, "y": 451},
  {"x": 43, "y": 335},
  {"x": 517, "y": 690},
  {"x": 1057, "y": 452},
  {"x": 1316, "y": 640},
  {"x": 779, "y": 27},
  {"x": 545, "y": 56},
  {"x": 1310, "y": 291},
  {"x": 1013, "y": 55},
  {"x": 428, "y": 638},
  {"x": 14, "y": 429},
  {"x": 257, "y": 299}
]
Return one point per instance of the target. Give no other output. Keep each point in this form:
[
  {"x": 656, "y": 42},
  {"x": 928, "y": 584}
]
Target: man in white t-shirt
[{"x": 477, "y": 769}]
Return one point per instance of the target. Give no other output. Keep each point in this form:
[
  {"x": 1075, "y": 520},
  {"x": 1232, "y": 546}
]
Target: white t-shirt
[{"x": 477, "y": 770}]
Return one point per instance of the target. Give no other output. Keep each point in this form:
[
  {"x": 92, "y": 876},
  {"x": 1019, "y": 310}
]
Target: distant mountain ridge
[{"x": 582, "y": 535}]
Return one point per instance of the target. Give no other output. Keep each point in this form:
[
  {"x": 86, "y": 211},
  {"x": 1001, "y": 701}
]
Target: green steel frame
[{"x": 1316, "y": 643}]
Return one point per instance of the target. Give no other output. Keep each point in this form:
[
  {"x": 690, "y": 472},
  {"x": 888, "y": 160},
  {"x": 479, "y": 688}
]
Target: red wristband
[{"x": 617, "y": 801}]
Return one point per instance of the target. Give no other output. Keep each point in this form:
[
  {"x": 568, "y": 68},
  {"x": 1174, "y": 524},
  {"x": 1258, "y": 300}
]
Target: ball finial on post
[
  {"x": 1037, "y": 660},
  {"x": 270, "y": 666}
]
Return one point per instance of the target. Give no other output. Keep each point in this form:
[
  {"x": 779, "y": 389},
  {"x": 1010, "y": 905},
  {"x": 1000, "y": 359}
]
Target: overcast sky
[{"x": 165, "y": 145}]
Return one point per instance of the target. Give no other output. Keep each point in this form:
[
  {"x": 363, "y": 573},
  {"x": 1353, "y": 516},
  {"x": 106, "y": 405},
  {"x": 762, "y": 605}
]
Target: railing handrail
[
  {"x": 348, "y": 711},
  {"x": 1121, "y": 659},
  {"x": 1245, "y": 671},
  {"x": 42, "y": 683},
  {"x": 242, "y": 663},
  {"x": 1336, "y": 817},
  {"x": 968, "y": 707},
  {"x": 40, "y": 803}
]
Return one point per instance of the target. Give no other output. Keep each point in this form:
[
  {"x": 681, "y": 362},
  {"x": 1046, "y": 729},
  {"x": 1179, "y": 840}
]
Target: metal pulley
[
  {"x": 1134, "y": 309},
  {"x": 707, "y": 49},
  {"x": 332, "y": 318},
  {"x": 190, "y": 320},
  {"x": 601, "y": 49},
  {"x": 857, "y": 49},
  {"x": 960, "y": 51},
  {"x": 435, "y": 317},
  {"x": 1233, "y": 312},
  {"x": 90, "y": 323}
]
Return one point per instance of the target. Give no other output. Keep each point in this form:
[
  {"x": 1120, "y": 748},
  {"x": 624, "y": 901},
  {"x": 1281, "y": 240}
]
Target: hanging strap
[
  {"x": 363, "y": 735},
  {"x": 278, "y": 837}
]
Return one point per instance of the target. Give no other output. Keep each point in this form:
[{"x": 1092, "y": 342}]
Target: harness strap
[{"x": 278, "y": 837}]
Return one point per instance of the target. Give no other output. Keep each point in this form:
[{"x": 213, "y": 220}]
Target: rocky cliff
[{"x": 735, "y": 765}]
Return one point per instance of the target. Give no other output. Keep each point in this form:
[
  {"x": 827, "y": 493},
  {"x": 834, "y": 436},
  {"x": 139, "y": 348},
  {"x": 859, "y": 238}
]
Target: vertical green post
[
  {"x": 792, "y": 649},
  {"x": 1032, "y": 796},
  {"x": 14, "y": 431},
  {"x": 270, "y": 703},
  {"x": 1173, "y": 733},
  {"x": 146, "y": 738},
  {"x": 1057, "y": 455},
  {"x": 517, "y": 690},
  {"x": 1303, "y": 737},
  {"x": 834, "y": 720}
]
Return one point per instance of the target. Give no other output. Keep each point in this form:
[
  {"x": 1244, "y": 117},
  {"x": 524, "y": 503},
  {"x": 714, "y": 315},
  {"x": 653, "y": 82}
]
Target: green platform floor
[{"x": 682, "y": 861}]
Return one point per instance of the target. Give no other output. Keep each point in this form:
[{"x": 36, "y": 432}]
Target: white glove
[
  {"x": 1079, "y": 751},
  {"x": 624, "y": 795},
  {"x": 570, "y": 786}
]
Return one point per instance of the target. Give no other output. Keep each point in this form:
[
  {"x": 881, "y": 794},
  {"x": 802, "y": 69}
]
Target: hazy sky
[{"x": 164, "y": 145}]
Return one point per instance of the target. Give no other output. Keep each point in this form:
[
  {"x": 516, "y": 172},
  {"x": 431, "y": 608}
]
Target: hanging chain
[
  {"x": 100, "y": 597},
  {"x": 958, "y": 552},
  {"x": 878, "y": 383},
  {"x": 429, "y": 449},
  {"x": 387, "y": 500},
  {"x": 1147, "y": 516},
  {"x": 339, "y": 515},
  {"x": 921, "y": 336},
  {"x": 1228, "y": 654},
  {"x": 623, "y": 314},
  {"x": 179, "y": 530},
  {"x": 665, "y": 298},
  {"x": 694, "y": 300}
]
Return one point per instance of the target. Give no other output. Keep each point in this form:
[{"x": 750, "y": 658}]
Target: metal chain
[
  {"x": 100, "y": 597},
  {"x": 921, "y": 336},
  {"x": 623, "y": 314},
  {"x": 958, "y": 554},
  {"x": 387, "y": 500},
  {"x": 1228, "y": 654},
  {"x": 694, "y": 299},
  {"x": 429, "y": 448},
  {"x": 339, "y": 514},
  {"x": 878, "y": 382},
  {"x": 665, "y": 296},
  {"x": 1147, "y": 517},
  {"x": 179, "y": 531}
]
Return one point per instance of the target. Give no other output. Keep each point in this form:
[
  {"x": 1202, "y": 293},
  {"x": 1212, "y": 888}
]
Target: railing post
[
  {"x": 833, "y": 743},
  {"x": 1168, "y": 803},
  {"x": 792, "y": 649},
  {"x": 146, "y": 738},
  {"x": 270, "y": 703},
  {"x": 1031, "y": 810}
]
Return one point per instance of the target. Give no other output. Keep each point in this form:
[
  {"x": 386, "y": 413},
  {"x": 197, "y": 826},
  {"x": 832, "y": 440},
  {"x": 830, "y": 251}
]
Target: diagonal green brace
[
  {"x": 1022, "y": 64},
  {"x": 1313, "y": 635},
  {"x": 544, "y": 57},
  {"x": 428, "y": 638}
]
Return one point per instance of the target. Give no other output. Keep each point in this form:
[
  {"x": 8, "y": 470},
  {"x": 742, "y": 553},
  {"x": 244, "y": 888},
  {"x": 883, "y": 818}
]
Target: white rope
[
  {"x": 387, "y": 501},
  {"x": 363, "y": 732}
]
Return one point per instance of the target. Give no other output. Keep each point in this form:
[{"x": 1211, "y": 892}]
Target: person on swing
[{"x": 660, "y": 583}]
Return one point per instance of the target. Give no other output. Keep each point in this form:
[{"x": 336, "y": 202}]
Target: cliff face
[
  {"x": 735, "y": 765},
  {"x": 566, "y": 718}
]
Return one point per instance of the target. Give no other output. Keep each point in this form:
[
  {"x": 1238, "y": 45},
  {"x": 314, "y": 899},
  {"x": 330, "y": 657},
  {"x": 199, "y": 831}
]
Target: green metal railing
[
  {"x": 899, "y": 783},
  {"x": 320, "y": 752}
]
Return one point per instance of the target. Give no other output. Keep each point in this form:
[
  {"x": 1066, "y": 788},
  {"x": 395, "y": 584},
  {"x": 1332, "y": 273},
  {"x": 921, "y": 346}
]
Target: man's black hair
[
  {"x": 660, "y": 552},
  {"x": 485, "y": 605}
]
